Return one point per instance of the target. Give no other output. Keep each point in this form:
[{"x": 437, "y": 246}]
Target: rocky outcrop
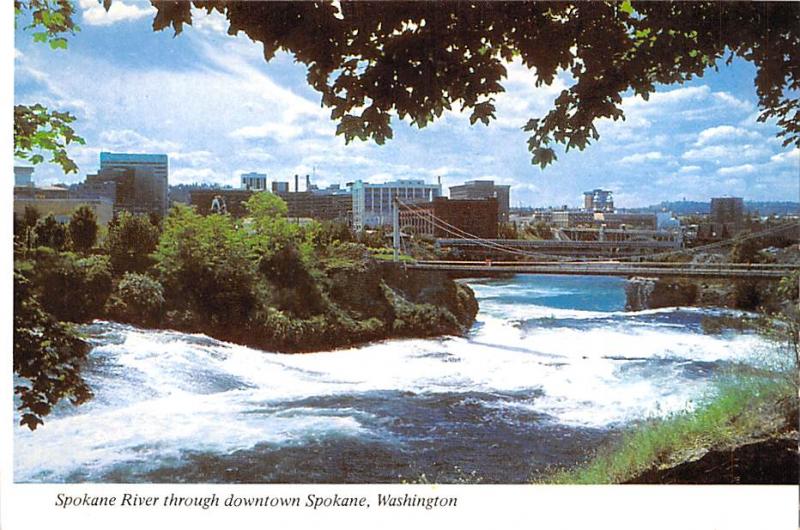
[
  {"x": 651, "y": 293},
  {"x": 774, "y": 460}
]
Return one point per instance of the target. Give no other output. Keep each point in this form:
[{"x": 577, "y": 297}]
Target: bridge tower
[{"x": 396, "y": 228}]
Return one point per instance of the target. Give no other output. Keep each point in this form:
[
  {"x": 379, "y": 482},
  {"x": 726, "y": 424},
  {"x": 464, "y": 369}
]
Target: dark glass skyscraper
[{"x": 142, "y": 181}]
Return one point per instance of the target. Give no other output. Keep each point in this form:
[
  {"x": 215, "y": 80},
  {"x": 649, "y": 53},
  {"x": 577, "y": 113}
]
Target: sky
[{"x": 211, "y": 102}]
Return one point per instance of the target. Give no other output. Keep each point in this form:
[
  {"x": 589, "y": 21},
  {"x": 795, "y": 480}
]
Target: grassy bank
[{"x": 741, "y": 410}]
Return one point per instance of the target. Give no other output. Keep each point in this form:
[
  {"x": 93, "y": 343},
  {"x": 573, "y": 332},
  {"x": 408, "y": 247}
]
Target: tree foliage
[
  {"x": 47, "y": 357},
  {"x": 39, "y": 131},
  {"x": 49, "y": 20},
  {"x": 138, "y": 299},
  {"x": 205, "y": 262},
  {"x": 83, "y": 229},
  {"x": 131, "y": 239},
  {"x": 50, "y": 233},
  {"x": 372, "y": 61},
  {"x": 72, "y": 288}
]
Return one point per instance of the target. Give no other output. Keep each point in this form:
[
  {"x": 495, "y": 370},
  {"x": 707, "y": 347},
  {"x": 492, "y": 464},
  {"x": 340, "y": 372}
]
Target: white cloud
[
  {"x": 638, "y": 158},
  {"x": 214, "y": 22},
  {"x": 733, "y": 102},
  {"x": 131, "y": 141},
  {"x": 689, "y": 169},
  {"x": 737, "y": 170},
  {"x": 792, "y": 155},
  {"x": 280, "y": 132},
  {"x": 95, "y": 15},
  {"x": 726, "y": 154},
  {"x": 725, "y": 133}
]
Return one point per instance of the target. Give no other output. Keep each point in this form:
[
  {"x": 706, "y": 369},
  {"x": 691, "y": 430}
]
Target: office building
[
  {"x": 318, "y": 206},
  {"x": 254, "y": 181},
  {"x": 727, "y": 210},
  {"x": 63, "y": 207},
  {"x": 280, "y": 187},
  {"x": 646, "y": 221},
  {"x": 372, "y": 203},
  {"x": 452, "y": 218},
  {"x": 598, "y": 201},
  {"x": 141, "y": 181},
  {"x": 727, "y": 216},
  {"x": 572, "y": 218},
  {"x": 206, "y": 201},
  {"x": 484, "y": 189}
]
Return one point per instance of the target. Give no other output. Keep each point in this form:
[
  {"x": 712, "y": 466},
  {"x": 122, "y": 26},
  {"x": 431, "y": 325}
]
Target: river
[{"x": 552, "y": 369}]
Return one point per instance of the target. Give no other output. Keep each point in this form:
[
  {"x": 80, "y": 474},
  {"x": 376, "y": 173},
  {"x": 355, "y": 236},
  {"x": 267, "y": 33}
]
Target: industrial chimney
[
  {"x": 308, "y": 182},
  {"x": 296, "y": 183}
]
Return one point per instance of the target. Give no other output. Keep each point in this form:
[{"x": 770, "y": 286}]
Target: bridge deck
[{"x": 735, "y": 270}]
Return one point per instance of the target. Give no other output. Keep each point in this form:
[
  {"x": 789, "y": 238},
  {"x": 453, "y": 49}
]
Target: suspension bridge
[{"x": 527, "y": 257}]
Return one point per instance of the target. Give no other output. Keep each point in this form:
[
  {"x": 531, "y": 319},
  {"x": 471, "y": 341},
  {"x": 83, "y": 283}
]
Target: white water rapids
[{"x": 552, "y": 366}]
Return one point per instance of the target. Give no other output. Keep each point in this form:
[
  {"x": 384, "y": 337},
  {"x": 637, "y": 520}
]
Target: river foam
[{"x": 540, "y": 370}]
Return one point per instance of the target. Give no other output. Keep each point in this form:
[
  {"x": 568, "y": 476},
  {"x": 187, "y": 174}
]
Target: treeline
[{"x": 260, "y": 280}]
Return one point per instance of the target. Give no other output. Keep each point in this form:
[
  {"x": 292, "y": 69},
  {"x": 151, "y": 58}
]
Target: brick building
[{"x": 477, "y": 217}]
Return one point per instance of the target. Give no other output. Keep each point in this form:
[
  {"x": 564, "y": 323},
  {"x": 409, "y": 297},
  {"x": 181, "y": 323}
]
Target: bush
[
  {"x": 83, "y": 229},
  {"x": 50, "y": 233},
  {"x": 131, "y": 239},
  {"x": 71, "y": 288},
  {"x": 205, "y": 266},
  {"x": 295, "y": 289},
  {"x": 137, "y": 299}
]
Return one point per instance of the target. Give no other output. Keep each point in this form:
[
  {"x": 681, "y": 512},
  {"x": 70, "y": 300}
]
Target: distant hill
[{"x": 692, "y": 207}]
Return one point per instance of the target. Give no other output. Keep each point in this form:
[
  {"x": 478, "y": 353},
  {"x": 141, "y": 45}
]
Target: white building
[
  {"x": 372, "y": 203},
  {"x": 254, "y": 181}
]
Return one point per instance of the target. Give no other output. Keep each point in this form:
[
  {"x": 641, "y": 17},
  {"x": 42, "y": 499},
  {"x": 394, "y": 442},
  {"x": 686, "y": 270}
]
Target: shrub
[
  {"x": 131, "y": 239},
  {"x": 137, "y": 299},
  {"x": 71, "y": 288},
  {"x": 205, "y": 266},
  {"x": 50, "y": 233},
  {"x": 83, "y": 229},
  {"x": 295, "y": 289}
]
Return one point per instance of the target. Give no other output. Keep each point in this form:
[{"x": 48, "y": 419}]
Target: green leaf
[{"x": 58, "y": 43}]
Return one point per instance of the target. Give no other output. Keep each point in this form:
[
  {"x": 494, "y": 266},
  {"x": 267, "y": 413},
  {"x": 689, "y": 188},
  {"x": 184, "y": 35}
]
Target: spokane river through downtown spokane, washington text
[{"x": 312, "y": 501}]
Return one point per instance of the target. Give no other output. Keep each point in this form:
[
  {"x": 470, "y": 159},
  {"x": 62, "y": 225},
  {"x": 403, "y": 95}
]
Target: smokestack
[
  {"x": 308, "y": 182},
  {"x": 439, "y": 179},
  {"x": 296, "y": 183}
]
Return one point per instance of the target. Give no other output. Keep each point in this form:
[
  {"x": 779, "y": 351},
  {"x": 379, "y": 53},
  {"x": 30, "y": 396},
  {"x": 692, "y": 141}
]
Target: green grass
[{"x": 743, "y": 408}]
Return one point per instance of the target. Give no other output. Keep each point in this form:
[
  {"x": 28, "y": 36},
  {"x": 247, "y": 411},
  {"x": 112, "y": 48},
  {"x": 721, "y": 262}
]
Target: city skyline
[{"x": 698, "y": 140}]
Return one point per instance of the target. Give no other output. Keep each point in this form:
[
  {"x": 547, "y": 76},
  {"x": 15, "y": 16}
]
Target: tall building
[
  {"x": 254, "y": 181},
  {"x": 598, "y": 201},
  {"x": 727, "y": 215},
  {"x": 372, "y": 203},
  {"x": 141, "y": 181},
  {"x": 23, "y": 176},
  {"x": 280, "y": 187},
  {"x": 727, "y": 210},
  {"x": 484, "y": 189},
  {"x": 465, "y": 217}
]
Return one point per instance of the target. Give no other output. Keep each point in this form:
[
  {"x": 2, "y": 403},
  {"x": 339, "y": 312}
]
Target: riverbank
[
  {"x": 745, "y": 434},
  {"x": 748, "y": 431}
]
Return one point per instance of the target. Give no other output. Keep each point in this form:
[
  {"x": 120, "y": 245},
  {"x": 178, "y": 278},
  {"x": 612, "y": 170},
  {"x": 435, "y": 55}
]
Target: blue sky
[{"x": 213, "y": 104}]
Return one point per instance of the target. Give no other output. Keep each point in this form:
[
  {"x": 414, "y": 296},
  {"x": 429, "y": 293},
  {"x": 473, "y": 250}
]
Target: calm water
[{"x": 552, "y": 368}]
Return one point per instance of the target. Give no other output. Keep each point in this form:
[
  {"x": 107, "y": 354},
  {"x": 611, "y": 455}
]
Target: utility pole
[{"x": 396, "y": 227}]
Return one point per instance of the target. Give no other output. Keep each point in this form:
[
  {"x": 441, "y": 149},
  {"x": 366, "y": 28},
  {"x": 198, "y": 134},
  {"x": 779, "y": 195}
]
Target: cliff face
[
  {"x": 409, "y": 303},
  {"x": 652, "y": 293}
]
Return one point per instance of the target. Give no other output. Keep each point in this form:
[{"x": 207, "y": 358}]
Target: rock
[
  {"x": 651, "y": 293},
  {"x": 774, "y": 460}
]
